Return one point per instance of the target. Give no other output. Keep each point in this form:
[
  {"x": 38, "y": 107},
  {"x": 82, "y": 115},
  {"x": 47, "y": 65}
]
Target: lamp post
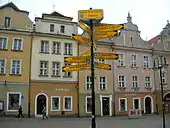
[{"x": 159, "y": 63}]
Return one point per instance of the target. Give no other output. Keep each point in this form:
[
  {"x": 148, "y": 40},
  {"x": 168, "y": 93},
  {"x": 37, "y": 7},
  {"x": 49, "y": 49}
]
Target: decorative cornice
[
  {"x": 13, "y": 83},
  {"x": 54, "y": 81}
]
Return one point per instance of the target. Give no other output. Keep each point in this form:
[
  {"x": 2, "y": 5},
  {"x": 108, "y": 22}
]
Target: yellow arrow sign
[
  {"x": 76, "y": 67},
  {"x": 76, "y": 59},
  {"x": 84, "y": 27},
  {"x": 102, "y": 27},
  {"x": 80, "y": 39},
  {"x": 86, "y": 54},
  {"x": 102, "y": 66},
  {"x": 90, "y": 14},
  {"x": 109, "y": 56},
  {"x": 102, "y": 35}
]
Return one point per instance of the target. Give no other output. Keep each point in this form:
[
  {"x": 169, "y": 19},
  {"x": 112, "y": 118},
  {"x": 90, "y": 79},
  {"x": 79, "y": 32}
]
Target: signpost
[
  {"x": 108, "y": 56},
  {"x": 76, "y": 59},
  {"x": 86, "y": 54},
  {"x": 102, "y": 66},
  {"x": 81, "y": 39},
  {"x": 102, "y": 35},
  {"x": 84, "y": 27},
  {"x": 76, "y": 67}
]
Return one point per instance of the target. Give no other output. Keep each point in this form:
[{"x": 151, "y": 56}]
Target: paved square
[{"x": 102, "y": 122}]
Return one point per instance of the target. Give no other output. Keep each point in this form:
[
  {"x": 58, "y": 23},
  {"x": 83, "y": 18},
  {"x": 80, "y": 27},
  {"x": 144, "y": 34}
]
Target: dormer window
[
  {"x": 62, "y": 29},
  {"x": 51, "y": 27},
  {"x": 7, "y": 22}
]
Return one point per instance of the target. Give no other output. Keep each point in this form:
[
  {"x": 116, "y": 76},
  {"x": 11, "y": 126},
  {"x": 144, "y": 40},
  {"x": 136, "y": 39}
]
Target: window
[
  {"x": 67, "y": 103},
  {"x": 121, "y": 59},
  {"x": 163, "y": 77},
  {"x": 2, "y": 66},
  {"x": 147, "y": 81},
  {"x": 3, "y": 43},
  {"x": 16, "y": 67},
  {"x": 136, "y": 103},
  {"x": 44, "y": 47},
  {"x": 101, "y": 60},
  {"x": 121, "y": 81},
  {"x": 88, "y": 82},
  {"x": 67, "y": 74},
  {"x": 68, "y": 49},
  {"x": 102, "y": 83},
  {"x": 55, "y": 68},
  {"x": 123, "y": 104},
  {"x": 146, "y": 62},
  {"x": 43, "y": 68},
  {"x": 62, "y": 29},
  {"x": 17, "y": 45},
  {"x": 131, "y": 39},
  {"x": 13, "y": 101},
  {"x": 7, "y": 22},
  {"x": 55, "y": 103},
  {"x": 56, "y": 49},
  {"x": 88, "y": 104},
  {"x": 51, "y": 27},
  {"x": 135, "y": 81},
  {"x": 133, "y": 59}
]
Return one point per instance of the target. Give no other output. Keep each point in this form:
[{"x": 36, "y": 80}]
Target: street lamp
[{"x": 159, "y": 63}]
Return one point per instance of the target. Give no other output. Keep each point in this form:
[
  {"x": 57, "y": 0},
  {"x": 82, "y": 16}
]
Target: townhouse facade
[
  {"x": 50, "y": 86},
  {"x": 15, "y": 45},
  {"x": 161, "y": 47}
]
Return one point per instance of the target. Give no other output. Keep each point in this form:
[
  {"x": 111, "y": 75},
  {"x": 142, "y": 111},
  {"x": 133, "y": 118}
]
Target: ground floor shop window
[
  {"x": 122, "y": 104},
  {"x": 55, "y": 103},
  {"x": 67, "y": 104},
  {"x": 88, "y": 104},
  {"x": 13, "y": 101}
]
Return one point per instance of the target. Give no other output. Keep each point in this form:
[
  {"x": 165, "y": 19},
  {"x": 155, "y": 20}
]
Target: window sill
[
  {"x": 12, "y": 110},
  {"x": 67, "y": 76},
  {"x": 44, "y": 52},
  {"x": 15, "y": 74},
  {"x": 56, "y": 110},
  {"x": 16, "y": 50},
  {"x": 55, "y": 76},
  {"x": 121, "y": 66},
  {"x": 2, "y": 74},
  {"x": 103, "y": 89},
  {"x": 134, "y": 67},
  {"x": 3, "y": 49},
  {"x": 148, "y": 88},
  {"x": 67, "y": 110},
  {"x": 147, "y": 68},
  {"x": 56, "y": 53},
  {"x": 68, "y": 54},
  {"x": 122, "y": 88},
  {"x": 43, "y": 75},
  {"x": 136, "y": 88}
]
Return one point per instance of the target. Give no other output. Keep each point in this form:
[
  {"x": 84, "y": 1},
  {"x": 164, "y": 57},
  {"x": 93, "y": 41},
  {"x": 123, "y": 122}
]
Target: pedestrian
[
  {"x": 44, "y": 112},
  {"x": 20, "y": 112}
]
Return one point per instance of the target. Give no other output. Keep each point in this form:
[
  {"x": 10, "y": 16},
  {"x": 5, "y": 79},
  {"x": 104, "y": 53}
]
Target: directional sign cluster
[{"x": 100, "y": 31}]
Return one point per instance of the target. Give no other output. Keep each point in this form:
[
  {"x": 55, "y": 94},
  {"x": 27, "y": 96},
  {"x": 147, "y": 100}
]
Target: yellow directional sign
[
  {"x": 76, "y": 67},
  {"x": 102, "y": 27},
  {"x": 90, "y": 14},
  {"x": 102, "y": 66},
  {"x": 102, "y": 35},
  {"x": 109, "y": 56},
  {"x": 76, "y": 59},
  {"x": 80, "y": 39},
  {"x": 86, "y": 54},
  {"x": 84, "y": 27}
]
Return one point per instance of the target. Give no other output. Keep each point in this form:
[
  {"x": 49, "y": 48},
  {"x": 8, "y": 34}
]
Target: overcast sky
[{"x": 150, "y": 15}]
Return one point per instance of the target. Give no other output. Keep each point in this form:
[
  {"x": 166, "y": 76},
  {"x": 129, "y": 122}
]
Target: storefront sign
[{"x": 62, "y": 89}]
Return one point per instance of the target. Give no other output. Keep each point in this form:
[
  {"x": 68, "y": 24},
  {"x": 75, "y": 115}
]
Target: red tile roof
[{"x": 154, "y": 40}]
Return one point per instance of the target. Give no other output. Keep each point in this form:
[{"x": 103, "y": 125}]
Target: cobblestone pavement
[{"x": 102, "y": 122}]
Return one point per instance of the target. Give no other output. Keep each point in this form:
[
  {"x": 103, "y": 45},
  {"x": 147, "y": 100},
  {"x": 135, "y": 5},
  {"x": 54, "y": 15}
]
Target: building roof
[
  {"x": 12, "y": 5},
  {"x": 56, "y": 14},
  {"x": 154, "y": 40}
]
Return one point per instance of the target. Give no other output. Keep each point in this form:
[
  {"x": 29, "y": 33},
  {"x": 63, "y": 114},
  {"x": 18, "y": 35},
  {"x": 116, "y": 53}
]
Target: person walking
[
  {"x": 44, "y": 112},
  {"x": 20, "y": 112}
]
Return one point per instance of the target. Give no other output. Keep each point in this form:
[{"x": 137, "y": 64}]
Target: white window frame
[
  {"x": 56, "y": 69},
  {"x": 4, "y": 66},
  {"x": 61, "y": 29},
  {"x": 10, "y": 21},
  {"x": 43, "y": 68},
  {"x": 56, "y": 49},
  {"x": 133, "y": 61},
  {"x": 22, "y": 40},
  {"x": 6, "y": 43},
  {"x": 71, "y": 103},
  {"x": 8, "y": 100},
  {"x": 146, "y": 64},
  {"x": 20, "y": 72},
  {"x": 102, "y": 83},
  {"x": 147, "y": 82},
  {"x": 86, "y": 103},
  {"x": 59, "y": 100},
  {"x": 121, "y": 61},
  {"x": 139, "y": 102},
  {"x": 126, "y": 105},
  {"x": 89, "y": 82},
  {"x": 53, "y": 28},
  {"x": 122, "y": 81},
  {"x": 135, "y": 82},
  {"x": 45, "y": 46},
  {"x": 68, "y": 51}
]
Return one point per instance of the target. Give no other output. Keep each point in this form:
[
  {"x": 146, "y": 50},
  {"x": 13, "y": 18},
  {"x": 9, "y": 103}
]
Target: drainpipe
[
  {"x": 78, "y": 109},
  {"x": 156, "y": 98},
  {"x": 29, "y": 87}
]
